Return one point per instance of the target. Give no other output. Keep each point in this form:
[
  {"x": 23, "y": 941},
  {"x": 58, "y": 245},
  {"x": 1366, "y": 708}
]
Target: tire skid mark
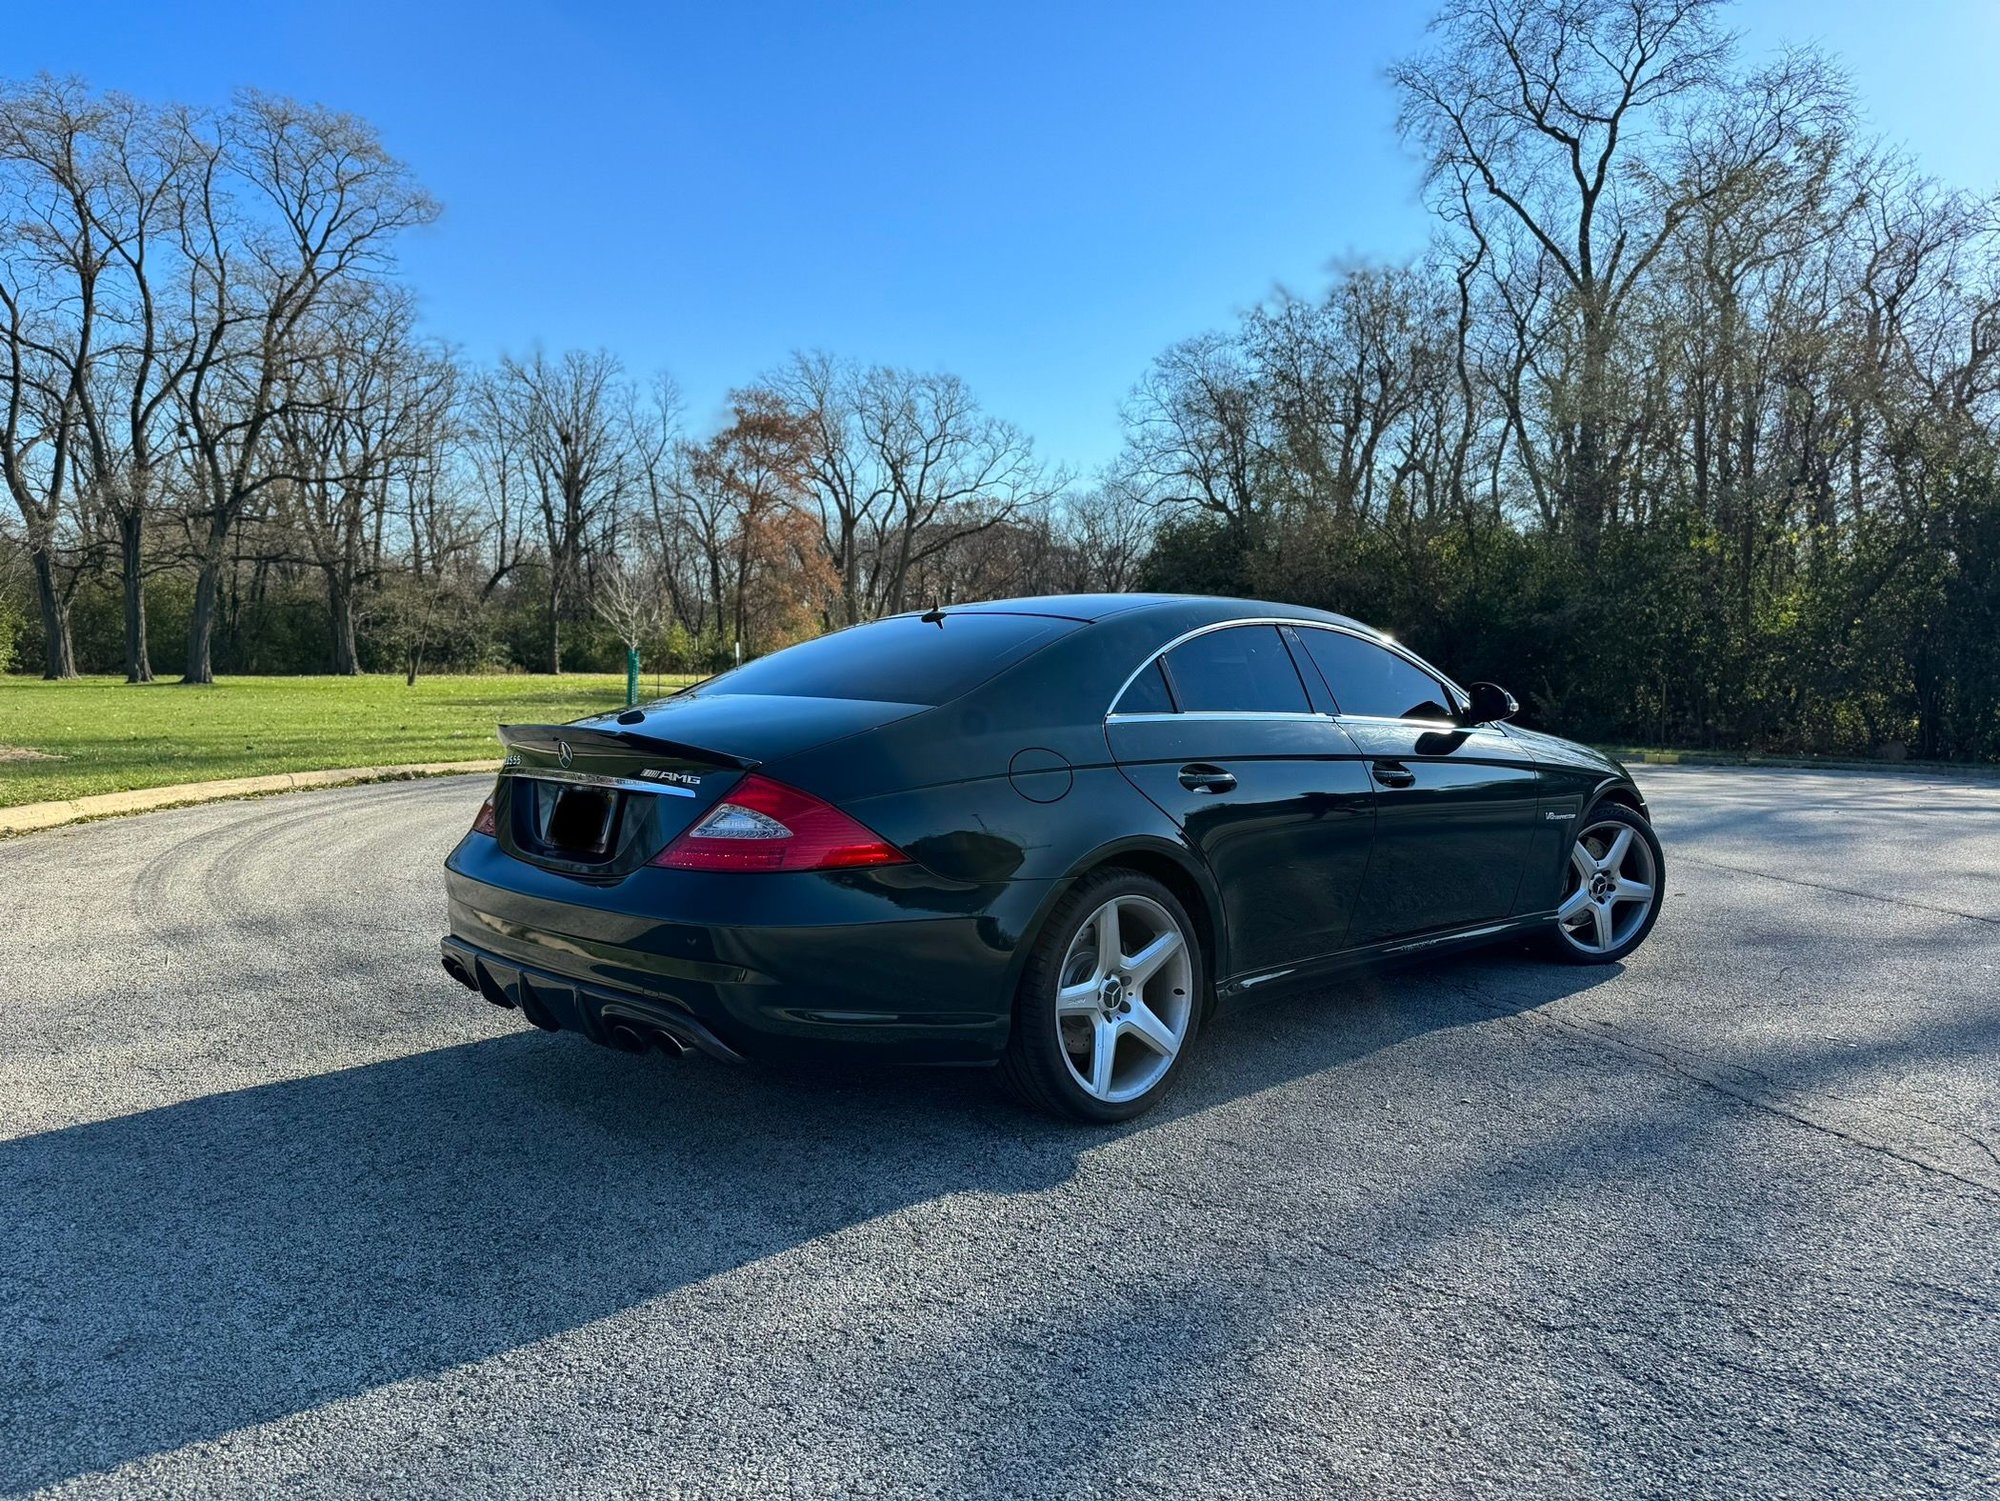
[{"x": 259, "y": 859}]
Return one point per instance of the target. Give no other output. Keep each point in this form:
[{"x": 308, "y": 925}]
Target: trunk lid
[{"x": 599, "y": 798}]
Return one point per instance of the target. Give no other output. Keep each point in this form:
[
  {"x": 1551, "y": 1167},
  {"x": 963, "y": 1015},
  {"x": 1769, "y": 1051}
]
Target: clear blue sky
[{"x": 1037, "y": 196}]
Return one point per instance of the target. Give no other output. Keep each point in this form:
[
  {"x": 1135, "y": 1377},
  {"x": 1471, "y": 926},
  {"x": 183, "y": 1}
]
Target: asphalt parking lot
[{"x": 282, "y": 1209}]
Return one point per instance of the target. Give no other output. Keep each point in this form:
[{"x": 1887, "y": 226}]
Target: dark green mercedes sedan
[{"x": 1051, "y": 834}]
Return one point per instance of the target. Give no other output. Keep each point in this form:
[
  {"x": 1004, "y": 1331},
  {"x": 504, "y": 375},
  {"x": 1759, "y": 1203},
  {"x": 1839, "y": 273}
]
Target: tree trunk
[
  {"x": 1587, "y": 474},
  {"x": 201, "y": 624},
  {"x": 58, "y": 650},
  {"x": 340, "y": 605},
  {"x": 555, "y": 623},
  {"x": 132, "y": 578},
  {"x": 850, "y": 576},
  {"x": 898, "y": 585}
]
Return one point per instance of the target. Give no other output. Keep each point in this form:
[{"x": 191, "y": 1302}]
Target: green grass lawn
[{"x": 106, "y": 735}]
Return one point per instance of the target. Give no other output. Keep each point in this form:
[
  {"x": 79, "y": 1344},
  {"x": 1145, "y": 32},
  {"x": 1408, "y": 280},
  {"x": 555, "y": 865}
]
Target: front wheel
[
  {"x": 1109, "y": 1001},
  {"x": 1611, "y": 888}
]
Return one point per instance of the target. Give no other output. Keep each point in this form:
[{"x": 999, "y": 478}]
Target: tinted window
[
  {"x": 1243, "y": 668},
  {"x": 1147, "y": 695},
  {"x": 1366, "y": 679},
  {"x": 900, "y": 661}
]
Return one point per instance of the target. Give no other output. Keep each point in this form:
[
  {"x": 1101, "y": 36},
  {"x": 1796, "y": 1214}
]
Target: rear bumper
[
  {"x": 555, "y": 1004},
  {"x": 892, "y": 964}
]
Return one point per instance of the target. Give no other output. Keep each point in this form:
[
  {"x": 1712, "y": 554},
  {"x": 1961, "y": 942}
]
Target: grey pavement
[{"x": 284, "y": 1211}]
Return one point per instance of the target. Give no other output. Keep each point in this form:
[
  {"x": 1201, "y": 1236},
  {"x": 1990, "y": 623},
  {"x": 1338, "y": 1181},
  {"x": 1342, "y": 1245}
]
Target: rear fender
[{"x": 1174, "y": 866}]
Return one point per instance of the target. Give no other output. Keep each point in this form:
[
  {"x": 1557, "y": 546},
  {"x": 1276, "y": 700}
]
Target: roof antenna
[{"x": 933, "y": 616}]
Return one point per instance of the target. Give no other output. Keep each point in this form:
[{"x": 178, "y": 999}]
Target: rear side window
[
  {"x": 1147, "y": 694},
  {"x": 1244, "y": 669},
  {"x": 1369, "y": 680},
  {"x": 901, "y": 661}
]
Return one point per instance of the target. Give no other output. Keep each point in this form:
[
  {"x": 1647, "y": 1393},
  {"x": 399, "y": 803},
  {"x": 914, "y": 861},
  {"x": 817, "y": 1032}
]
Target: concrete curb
[
  {"x": 30, "y": 816},
  {"x": 1639, "y": 756}
]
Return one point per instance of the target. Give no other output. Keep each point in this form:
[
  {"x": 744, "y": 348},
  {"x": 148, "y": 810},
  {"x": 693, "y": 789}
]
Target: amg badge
[{"x": 678, "y": 778}]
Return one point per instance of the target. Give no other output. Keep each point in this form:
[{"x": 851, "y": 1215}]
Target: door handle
[
  {"x": 1393, "y": 774},
  {"x": 1201, "y": 777}
]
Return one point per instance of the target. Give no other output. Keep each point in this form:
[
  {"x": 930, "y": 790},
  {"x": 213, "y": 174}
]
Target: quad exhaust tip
[
  {"x": 628, "y": 1037},
  {"x": 633, "y": 1037}
]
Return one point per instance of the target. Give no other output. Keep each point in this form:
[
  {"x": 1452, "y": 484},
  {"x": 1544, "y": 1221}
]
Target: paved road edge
[{"x": 29, "y": 817}]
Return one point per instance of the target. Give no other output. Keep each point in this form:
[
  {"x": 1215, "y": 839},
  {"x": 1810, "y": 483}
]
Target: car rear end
[{"x": 670, "y": 878}]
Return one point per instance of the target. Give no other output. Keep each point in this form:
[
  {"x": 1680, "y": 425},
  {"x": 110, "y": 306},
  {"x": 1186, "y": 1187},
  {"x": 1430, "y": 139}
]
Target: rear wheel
[
  {"x": 1108, "y": 1004},
  {"x": 1611, "y": 888}
]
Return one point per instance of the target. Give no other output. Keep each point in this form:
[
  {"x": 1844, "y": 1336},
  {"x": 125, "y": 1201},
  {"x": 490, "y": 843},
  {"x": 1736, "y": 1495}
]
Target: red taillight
[
  {"x": 486, "y": 823},
  {"x": 765, "y": 825}
]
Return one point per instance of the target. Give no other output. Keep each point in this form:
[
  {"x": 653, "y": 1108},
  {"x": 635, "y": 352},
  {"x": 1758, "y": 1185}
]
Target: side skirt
[{"x": 1393, "y": 951}]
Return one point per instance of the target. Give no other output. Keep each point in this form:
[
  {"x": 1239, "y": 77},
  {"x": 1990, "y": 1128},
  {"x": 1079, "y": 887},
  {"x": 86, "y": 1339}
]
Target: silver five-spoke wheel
[
  {"x": 1610, "y": 888},
  {"x": 1125, "y": 994}
]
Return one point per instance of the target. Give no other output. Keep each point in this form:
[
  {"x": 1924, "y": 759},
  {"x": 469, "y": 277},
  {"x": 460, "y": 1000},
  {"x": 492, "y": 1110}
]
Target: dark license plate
[{"x": 579, "y": 820}]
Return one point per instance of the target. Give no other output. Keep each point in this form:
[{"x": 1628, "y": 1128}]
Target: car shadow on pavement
[{"x": 173, "y": 1275}]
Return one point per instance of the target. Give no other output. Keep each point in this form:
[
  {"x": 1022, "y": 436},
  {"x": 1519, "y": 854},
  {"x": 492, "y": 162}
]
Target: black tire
[
  {"x": 1557, "y": 944},
  {"x": 1035, "y": 1066}
]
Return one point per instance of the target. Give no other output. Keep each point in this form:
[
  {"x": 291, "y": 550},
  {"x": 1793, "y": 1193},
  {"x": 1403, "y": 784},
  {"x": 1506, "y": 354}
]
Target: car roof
[{"x": 1191, "y": 610}]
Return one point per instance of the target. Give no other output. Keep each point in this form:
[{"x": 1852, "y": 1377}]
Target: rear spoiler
[{"x": 564, "y": 744}]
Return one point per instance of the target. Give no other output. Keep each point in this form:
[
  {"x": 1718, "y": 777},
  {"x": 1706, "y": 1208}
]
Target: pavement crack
[
  {"x": 1871, "y": 896},
  {"x": 1711, "y": 1077}
]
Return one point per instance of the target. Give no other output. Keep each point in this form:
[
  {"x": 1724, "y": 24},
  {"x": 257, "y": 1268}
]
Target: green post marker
[{"x": 631, "y": 676}]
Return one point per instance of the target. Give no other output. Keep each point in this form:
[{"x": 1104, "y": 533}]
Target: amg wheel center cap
[
  {"x": 1111, "y": 994},
  {"x": 1600, "y": 885}
]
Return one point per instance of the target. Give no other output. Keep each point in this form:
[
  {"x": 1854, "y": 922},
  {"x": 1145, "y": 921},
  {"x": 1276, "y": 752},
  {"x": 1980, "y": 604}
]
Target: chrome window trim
[
  {"x": 1394, "y": 647},
  {"x": 1155, "y": 714},
  {"x": 592, "y": 779},
  {"x": 1185, "y": 636},
  {"x": 1435, "y": 724},
  {"x": 1155, "y": 717}
]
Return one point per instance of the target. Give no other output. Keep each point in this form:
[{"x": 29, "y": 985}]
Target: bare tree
[
  {"x": 51, "y": 261},
  {"x": 1197, "y": 434},
  {"x": 365, "y": 406},
  {"x": 1579, "y": 123},
  {"x": 1340, "y": 377},
  {"x": 307, "y": 201},
  {"x": 127, "y": 172},
  {"x": 948, "y": 469},
  {"x": 661, "y": 457},
  {"x": 497, "y": 474},
  {"x": 851, "y": 489},
  {"x": 631, "y": 598},
  {"x": 568, "y": 421},
  {"x": 1106, "y": 532}
]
